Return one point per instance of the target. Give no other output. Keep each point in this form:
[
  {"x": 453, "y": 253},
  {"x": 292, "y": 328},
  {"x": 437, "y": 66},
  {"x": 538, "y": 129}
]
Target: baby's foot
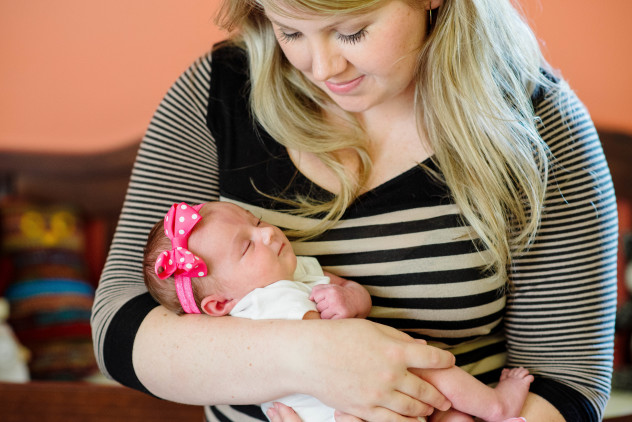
[{"x": 512, "y": 390}]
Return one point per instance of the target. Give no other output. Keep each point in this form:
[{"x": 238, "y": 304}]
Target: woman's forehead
[{"x": 290, "y": 8}]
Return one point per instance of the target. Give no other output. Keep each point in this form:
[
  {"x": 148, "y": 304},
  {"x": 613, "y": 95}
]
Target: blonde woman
[{"x": 420, "y": 148}]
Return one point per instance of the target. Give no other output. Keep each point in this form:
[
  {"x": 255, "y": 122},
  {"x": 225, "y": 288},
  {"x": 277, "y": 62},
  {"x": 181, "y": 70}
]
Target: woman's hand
[
  {"x": 282, "y": 413},
  {"x": 361, "y": 368}
]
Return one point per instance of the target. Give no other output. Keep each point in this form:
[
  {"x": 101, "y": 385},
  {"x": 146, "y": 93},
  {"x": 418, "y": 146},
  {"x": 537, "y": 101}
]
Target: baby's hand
[
  {"x": 341, "y": 299},
  {"x": 331, "y": 302}
]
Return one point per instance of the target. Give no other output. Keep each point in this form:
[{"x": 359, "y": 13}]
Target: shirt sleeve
[
  {"x": 559, "y": 319},
  {"x": 177, "y": 161},
  {"x": 284, "y": 299}
]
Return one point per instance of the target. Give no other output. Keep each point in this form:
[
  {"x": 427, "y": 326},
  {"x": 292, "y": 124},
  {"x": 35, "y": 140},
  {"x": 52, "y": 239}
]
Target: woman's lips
[{"x": 345, "y": 87}]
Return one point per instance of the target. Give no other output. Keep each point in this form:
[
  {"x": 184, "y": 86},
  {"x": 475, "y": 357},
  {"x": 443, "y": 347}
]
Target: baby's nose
[{"x": 267, "y": 235}]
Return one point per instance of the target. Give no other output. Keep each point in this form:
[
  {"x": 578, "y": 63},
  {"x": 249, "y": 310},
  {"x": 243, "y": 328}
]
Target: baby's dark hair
[{"x": 163, "y": 291}]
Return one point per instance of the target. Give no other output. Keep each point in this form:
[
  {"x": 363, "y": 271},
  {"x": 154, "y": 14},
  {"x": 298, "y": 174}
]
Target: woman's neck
[{"x": 394, "y": 146}]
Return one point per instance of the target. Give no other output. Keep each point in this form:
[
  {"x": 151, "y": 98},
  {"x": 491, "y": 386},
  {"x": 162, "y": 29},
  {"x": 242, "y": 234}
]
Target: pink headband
[{"x": 179, "y": 223}]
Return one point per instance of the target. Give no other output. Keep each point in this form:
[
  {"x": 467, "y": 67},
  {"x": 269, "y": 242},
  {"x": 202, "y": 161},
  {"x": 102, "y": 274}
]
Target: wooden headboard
[
  {"x": 618, "y": 149},
  {"x": 95, "y": 182}
]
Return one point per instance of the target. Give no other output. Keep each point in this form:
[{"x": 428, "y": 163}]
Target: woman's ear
[{"x": 217, "y": 305}]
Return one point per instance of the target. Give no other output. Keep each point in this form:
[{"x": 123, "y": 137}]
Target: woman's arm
[
  {"x": 560, "y": 317},
  {"x": 239, "y": 361}
]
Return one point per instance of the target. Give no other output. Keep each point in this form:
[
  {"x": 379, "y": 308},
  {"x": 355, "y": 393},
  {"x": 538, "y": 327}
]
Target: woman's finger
[
  {"x": 411, "y": 405},
  {"x": 382, "y": 414},
  {"x": 282, "y": 413},
  {"x": 424, "y": 356},
  {"x": 418, "y": 390},
  {"x": 345, "y": 417}
]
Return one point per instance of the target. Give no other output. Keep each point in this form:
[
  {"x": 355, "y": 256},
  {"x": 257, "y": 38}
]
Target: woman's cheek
[{"x": 298, "y": 57}]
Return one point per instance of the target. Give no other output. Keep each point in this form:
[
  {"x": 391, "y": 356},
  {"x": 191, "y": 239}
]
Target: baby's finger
[
  {"x": 317, "y": 293},
  {"x": 327, "y": 313}
]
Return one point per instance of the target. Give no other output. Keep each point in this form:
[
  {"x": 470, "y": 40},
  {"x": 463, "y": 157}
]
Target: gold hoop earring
[{"x": 430, "y": 15}]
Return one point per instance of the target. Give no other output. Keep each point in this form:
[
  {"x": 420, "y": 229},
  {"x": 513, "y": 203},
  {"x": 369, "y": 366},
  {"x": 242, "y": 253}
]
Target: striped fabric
[{"x": 404, "y": 241}]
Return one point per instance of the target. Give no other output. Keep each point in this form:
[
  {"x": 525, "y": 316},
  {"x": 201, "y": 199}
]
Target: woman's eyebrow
[
  {"x": 277, "y": 23},
  {"x": 328, "y": 27}
]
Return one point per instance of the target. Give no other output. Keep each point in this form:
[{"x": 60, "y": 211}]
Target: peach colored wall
[
  {"x": 85, "y": 76},
  {"x": 590, "y": 43}
]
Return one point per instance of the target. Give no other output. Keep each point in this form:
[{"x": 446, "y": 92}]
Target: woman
[{"x": 419, "y": 148}]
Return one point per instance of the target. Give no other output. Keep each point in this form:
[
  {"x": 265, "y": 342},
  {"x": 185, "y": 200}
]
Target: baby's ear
[{"x": 217, "y": 305}]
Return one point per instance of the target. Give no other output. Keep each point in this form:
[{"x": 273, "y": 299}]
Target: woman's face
[{"x": 360, "y": 61}]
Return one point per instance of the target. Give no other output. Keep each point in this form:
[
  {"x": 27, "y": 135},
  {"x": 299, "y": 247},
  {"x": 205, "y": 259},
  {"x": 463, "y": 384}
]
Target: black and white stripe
[{"x": 560, "y": 321}]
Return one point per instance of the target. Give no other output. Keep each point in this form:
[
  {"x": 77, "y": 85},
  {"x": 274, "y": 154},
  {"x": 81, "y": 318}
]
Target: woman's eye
[
  {"x": 285, "y": 37},
  {"x": 353, "y": 38},
  {"x": 259, "y": 222}
]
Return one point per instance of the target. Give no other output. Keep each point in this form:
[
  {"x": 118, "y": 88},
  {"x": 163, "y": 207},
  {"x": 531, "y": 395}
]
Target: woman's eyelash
[
  {"x": 350, "y": 39},
  {"x": 353, "y": 38},
  {"x": 285, "y": 37}
]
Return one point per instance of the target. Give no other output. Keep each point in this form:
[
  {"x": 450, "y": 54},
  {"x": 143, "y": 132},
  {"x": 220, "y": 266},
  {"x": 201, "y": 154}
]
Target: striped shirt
[{"x": 404, "y": 240}]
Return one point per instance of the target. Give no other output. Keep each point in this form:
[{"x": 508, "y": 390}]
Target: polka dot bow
[{"x": 179, "y": 261}]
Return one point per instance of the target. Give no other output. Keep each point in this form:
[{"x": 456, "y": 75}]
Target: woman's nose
[{"x": 326, "y": 61}]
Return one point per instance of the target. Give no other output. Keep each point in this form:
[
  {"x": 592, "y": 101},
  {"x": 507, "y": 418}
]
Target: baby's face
[{"x": 240, "y": 250}]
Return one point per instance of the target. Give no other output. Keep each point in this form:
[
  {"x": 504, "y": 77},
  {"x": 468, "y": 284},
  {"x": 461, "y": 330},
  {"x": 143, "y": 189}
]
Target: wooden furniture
[
  {"x": 618, "y": 150},
  {"x": 97, "y": 183},
  {"x": 84, "y": 402}
]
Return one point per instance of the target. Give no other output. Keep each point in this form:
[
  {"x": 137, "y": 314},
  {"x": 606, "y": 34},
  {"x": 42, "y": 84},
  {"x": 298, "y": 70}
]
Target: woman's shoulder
[
  {"x": 224, "y": 58},
  {"x": 542, "y": 90},
  {"x": 565, "y": 125},
  {"x": 559, "y": 110},
  {"x": 230, "y": 55}
]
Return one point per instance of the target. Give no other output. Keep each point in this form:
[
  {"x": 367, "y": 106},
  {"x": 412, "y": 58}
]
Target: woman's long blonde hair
[{"x": 476, "y": 73}]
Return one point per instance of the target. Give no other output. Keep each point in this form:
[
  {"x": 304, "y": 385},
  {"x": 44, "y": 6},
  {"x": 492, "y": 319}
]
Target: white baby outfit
[{"x": 286, "y": 299}]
